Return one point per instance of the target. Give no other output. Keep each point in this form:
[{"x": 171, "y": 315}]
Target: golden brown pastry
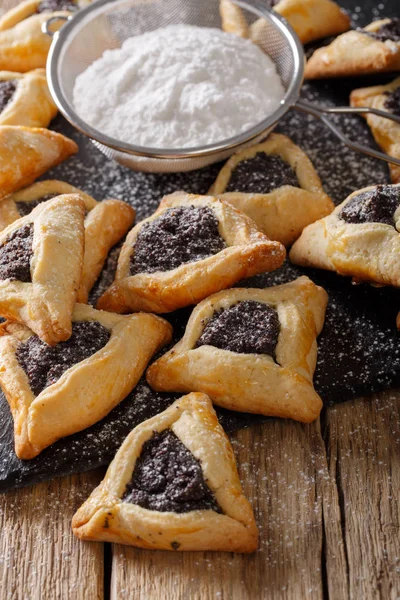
[
  {"x": 251, "y": 350},
  {"x": 187, "y": 250},
  {"x": 276, "y": 185},
  {"x": 25, "y": 99},
  {"x": 198, "y": 506},
  {"x": 56, "y": 391},
  {"x": 385, "y": 131},
  {"x": 23, "y": 45},
  {"x": 41, "y": 259},
  {"x": 233, "y": 19},
  {"x": 26, "y": 153},
  {"x": 311, "y": 19},
  {"x": 373, "y": 49},
  {"x": 105, "y": 223},
  {"x": 360, "y": 238}
]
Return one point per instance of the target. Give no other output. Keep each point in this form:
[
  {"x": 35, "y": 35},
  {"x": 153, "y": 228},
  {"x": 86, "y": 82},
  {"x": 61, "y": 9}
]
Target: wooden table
[{"x": 326, "y": 498}]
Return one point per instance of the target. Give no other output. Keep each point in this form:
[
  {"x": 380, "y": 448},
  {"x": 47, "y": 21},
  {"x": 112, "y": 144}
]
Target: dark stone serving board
[{"x": 359, "y": 349}]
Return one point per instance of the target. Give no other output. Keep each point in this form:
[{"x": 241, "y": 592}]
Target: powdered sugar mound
[{"x": 178, "y": 86}]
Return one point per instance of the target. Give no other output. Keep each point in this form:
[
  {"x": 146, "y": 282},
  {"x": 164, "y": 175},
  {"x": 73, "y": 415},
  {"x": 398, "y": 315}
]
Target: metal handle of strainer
[{"x": 320, "y": 112}]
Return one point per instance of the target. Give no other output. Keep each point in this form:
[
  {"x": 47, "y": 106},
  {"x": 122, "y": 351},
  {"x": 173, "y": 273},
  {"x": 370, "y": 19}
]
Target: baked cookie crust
[
  {"x": 106, "y": 517},
  {"x": 365, "y": 251},
  {"x": 247, "y": 252},
  {"x": 28, "y": 152},
  {"x": 385, "y": 131},
  {"x": 254, "y": 383},
  {"x": 355, "y": 53},
  {"x": 45, "y": 304},
  {"x": 31, "y": 104},
  {"x": 88, "y": 390},
  {"x": 282, "y": 213}
]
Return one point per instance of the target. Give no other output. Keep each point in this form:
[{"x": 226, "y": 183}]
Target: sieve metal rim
[{"x": 290, "y": 98}]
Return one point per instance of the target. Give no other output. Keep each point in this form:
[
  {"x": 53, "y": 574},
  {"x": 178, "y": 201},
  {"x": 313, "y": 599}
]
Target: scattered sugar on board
[{"x": 178, "y": 86}]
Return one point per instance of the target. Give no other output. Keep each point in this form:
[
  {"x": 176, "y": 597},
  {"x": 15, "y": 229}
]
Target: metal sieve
[{"x": 106, "y": 24}]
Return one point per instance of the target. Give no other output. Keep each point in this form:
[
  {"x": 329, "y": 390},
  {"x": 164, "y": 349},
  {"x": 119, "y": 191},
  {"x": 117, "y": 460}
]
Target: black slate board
[{"x": 359, "y": 349}]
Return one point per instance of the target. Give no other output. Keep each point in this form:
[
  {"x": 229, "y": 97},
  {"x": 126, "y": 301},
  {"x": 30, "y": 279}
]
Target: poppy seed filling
[
  {"x": 388, "y": 31},
  {"x": 374, "y": 206},
  {"x": 180, "y": 235},
  {"x": 168, "y": 478},
  {"x": 248, "y": 327},
  {"x": 261, "y": 175},
  {"x": 25, "y": 208},
  {"x": 56, "y": 5},
  {"x": 7, "y": 90},
  {"x": 392, "y": 102},
  {"x": 45, "y": 364},
  {"x": 16, "y": 255}
]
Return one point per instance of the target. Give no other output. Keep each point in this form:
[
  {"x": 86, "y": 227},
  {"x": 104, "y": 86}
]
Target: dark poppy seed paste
[
  {"x": 7, "y": 89},
  {"x": 392, "y": 102},
  {"x": 180, "y": 235},
  {"x": 261, "y": 175},
  {"x": 45, "y": 364},
  {"x": 247, "y": 327},
  {"x": 388, "y": 31},
  {"x": 56, "y": 5},
  {"x": 168, "y": 478},
  {"x": 374, "y": 206},
  {"x": 16, "y": 254},
  {"x": 25, "y": 208}
]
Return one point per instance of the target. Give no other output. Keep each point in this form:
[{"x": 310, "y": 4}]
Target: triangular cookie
[
  {"x": 276, "y": 185},
  {"x": 173, "y": 485},
  {"x": 105, "y": 223},
  {"x": 373, "y": 49},
  {"x": 26, "y": 99},
  {"x": 360, "y": 238},
  {"x": 56, "y": 391},
  {"x": 41, "y": 259},
  {"x": 184, "y": 252},
  {"x": 311, "y": 19},
  {"x": 251, "y": 350},
  {"x": 26, "y": 153},
  {"x": 233, "y": 19},
  {"x": 385, "y": 131}
]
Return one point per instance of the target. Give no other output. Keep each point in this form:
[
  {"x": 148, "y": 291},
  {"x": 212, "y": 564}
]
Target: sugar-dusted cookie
[
  {"x": 23, "y": 45},
  {"x": 373, "y": 49},
  {"x": 276, "y": 185},
  {"x": 26, "y": 153},
  {"x": 55, "y": 391},
  {"x": 184, "y": 252},
  {"x": 311, "y": 19},
  {"x": 173, "y": 485},
  {"x": 25, "y": 99},
  {"x": 105, "y": 223},
  {"x": 385, "y": 131},
  {"x": 251, "y": 350},
  {"x": 41, "y": 258},
  {"x": 360, "y": 238}
]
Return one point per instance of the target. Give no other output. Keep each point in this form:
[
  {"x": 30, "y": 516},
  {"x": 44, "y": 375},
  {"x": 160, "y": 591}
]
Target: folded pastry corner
[
  {"x": 276, "y": 185},
  {"x": 360, "y": 238},
  {"x": 55, "y": 391},
  {"x": 187, "y": 250},
  {"x": 373, "y": 49},
  {"x": 173, "y": 485},
  {"x": 28, "y": 152},
  {"x": 25, "y": 99},
  {"x": 251, "y": 350},
  {"x": 233, "y": 19},
  {"x": 385, "y": 131},
  {"x": 311, "y": 19},
  {"x": 41, "y": 258}
]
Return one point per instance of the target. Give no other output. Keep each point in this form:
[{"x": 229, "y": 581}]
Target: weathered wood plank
[
  {"x": 363, "y": 443},
  {"x": 40, "y": 559},
  {"x": 280, "y": 464}
]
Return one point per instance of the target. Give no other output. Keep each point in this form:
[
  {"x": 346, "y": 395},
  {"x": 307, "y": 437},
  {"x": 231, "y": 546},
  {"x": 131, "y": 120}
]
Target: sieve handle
[
  {"x": 319, "y": 113},
  {"x": 46, "y": 26}
]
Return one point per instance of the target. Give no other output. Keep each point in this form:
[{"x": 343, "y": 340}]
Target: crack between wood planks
[{"x": 107, "y": 561}]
